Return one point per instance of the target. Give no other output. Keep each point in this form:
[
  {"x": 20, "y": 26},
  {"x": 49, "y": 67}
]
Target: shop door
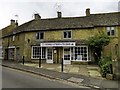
[
  {"x": 67, "y": 56},
  {"x": 11, "y": 54},
  {"x": 18, "y": 54},
  {"x": 6, "y": 54},
  {"x": 49, "y": 55}
]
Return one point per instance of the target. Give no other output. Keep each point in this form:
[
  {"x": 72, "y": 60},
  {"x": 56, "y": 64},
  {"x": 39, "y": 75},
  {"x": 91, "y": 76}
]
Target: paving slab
[
  {"x": 74, "y": 70},
  {"x": 74, "y": 79}
]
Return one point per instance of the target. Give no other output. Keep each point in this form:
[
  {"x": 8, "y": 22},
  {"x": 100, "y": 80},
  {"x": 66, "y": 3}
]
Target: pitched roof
[
  {"x": 7, "y": 30},
  {"x": 55, "y": 24},
  {"x": 103, "y": 19}
]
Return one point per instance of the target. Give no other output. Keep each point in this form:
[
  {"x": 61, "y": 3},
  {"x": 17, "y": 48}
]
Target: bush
[
  {"x": 104, "y": 64},
  {"x": 104, "y": 70},
  {"x": 96, "y": 43}
]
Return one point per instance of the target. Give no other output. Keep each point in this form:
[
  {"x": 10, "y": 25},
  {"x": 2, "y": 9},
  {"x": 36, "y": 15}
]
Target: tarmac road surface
[{"x": 12, "y": 78}]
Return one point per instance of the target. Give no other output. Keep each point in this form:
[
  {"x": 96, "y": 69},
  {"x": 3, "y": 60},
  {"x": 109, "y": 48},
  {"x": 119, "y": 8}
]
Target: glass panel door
[
  {"x": 67, "y": 55},
  {"x": 49, "y": 55}
]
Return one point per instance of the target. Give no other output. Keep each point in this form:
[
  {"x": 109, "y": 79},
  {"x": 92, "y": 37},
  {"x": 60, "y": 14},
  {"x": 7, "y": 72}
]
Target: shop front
[
  {"x": 57, "y": 51},
  {"x": 54, "y": 52}
]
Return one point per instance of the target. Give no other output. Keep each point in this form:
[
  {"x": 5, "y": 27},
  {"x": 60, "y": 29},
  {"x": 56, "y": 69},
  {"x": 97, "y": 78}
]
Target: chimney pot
[
  {"x": 88, "y": 12},
  {"x": 59, "y": 14},
  {"x": 12, "y": 22},
  {"x": 37, "y": 16}
]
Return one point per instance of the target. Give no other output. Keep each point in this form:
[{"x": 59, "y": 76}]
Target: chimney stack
[
  {"x": 13, "y": 22},
  {"x": 88, "y": 12},
  {"x": 37, "y": 16},
  {"x": 16, "y": 22},
  {"x": 59, "y": 14}
]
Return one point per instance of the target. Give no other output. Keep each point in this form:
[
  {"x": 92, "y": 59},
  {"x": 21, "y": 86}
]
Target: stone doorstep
[
  {"x": 93, "y": 68},
  {"x": 94, "y": 73},
  {"x": 28, "y": 64},
  {"x": 50, "y": 68}
]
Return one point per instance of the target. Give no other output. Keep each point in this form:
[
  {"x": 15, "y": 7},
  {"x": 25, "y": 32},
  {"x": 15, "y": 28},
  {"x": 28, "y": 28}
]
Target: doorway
[
  {"x": 49, "y": 55},
  {"x": 67, "y": 55},
  {"x": 18, "y": 54},
  {"x": 6, "y": 54}
]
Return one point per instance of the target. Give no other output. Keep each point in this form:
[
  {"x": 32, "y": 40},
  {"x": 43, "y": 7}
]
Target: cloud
[{"x": 47, "y": 8}]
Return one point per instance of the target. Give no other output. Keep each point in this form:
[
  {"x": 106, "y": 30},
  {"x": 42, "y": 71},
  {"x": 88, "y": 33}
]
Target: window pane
[
  {"x": 108, "y": 31},
  {"x": 37, "y": 35},
  {"x": 36, "y": 52},
  {"x": 65, "y": 34},
  {"x": 43, "y": 53},
  {"x": 66, "y": 57},
  {"x": 112, "y": 28},
  {"x": 108, "y": 28},
  {"x": 41, "y": 35},
  {"x": 112, "y": 32},
  {"x": 69, "y": 34},
  {"x": 67, "y": 54},
  {"x": 13, "y": 38},
  {"x": 81, "y": 53}
]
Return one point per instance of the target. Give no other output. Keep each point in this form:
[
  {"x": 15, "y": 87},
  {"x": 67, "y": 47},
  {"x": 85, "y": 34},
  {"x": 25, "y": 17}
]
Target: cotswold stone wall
[
  {"x": 0, "y": 44},
  {"x": 112, "y": 48},
  {"x": 0, "y": 37},
  {"x": 24, "y": 41},
  {"x": 119, "y": 41}
]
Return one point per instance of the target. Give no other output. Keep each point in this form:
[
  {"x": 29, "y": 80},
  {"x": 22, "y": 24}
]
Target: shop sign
[
  {"x": 11, "y": 47},
  {"x": 58, "y": 44}
]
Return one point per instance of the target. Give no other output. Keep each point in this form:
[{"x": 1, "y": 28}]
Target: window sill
[
  {"x": 39, "y": 39},
  {"x": 38, "y": 58},
  {"x": 67, "y": 38},
  {"x": 113, "y": 36},
  {"x": 81, "y": 60}
]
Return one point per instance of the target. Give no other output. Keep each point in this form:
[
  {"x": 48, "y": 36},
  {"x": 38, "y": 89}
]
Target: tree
[{"x": 96, "y": 43}]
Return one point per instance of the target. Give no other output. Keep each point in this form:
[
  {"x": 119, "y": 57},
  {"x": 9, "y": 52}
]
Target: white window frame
[
  {"x": 47, "y": 52},
  {"x": 40, "y": 53},
  {"x": 69, "y": 52},
  {"x": 67, "y": 31},
  {"x": 87, "y": 53},
  {"x": 74, "y": 53},
  {"x": 39, "y": 33},
  {"x": 13, "y": 38},
  {"x": 110, "y": 30}
]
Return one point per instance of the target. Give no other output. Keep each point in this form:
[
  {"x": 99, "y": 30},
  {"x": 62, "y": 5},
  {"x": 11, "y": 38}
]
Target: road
[{"x": 12, "y": 78}]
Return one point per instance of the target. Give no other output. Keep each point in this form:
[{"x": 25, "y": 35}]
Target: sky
[{"x": 24, "y": 10}]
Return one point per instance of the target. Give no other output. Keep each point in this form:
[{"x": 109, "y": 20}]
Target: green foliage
[
  {"x": 96, "y": 43},
  {"x": 104, "y": 64}
]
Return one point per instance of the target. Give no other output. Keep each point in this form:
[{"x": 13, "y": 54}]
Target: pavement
[{"x": 86, "y": 75}]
